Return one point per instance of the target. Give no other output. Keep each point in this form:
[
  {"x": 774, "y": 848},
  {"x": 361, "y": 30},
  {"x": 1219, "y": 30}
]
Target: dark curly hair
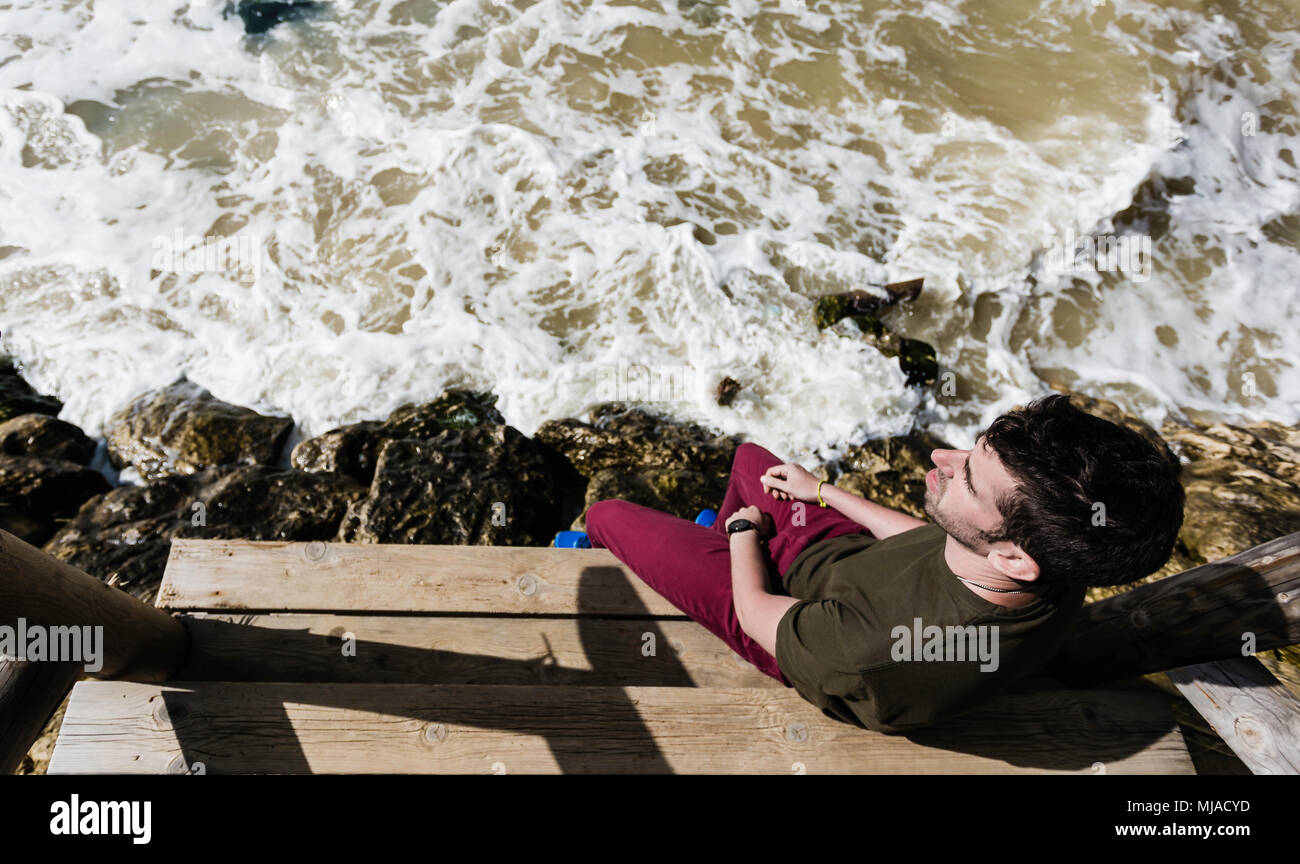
[{"x": 1095, "y": 503}]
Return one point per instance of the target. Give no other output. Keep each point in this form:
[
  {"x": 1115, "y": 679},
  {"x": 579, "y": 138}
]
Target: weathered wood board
[
  {"x": 220, "y": 575},
  {"x": 122, "y": 727},
  {"x": 443, "y": 649}
]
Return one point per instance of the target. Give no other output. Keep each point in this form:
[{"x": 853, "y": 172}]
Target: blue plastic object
[
  {"x": 707, "y": 518},
  {"x": 572, "y": 540}
]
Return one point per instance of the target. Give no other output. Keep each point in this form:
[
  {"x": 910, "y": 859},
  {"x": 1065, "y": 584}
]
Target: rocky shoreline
[{"x": 451, "y": 471}]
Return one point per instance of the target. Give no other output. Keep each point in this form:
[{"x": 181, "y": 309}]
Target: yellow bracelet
[{"x": 820, "y": 500}]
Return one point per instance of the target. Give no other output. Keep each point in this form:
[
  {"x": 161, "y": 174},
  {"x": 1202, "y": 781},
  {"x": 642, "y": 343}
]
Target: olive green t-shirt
[{"x": 887, "y": 638}]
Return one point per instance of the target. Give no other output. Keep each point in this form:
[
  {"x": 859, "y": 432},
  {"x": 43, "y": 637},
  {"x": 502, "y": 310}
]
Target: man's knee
[
  {"x": 603, "y": 515},
  {"x": 749, "y": 455}
]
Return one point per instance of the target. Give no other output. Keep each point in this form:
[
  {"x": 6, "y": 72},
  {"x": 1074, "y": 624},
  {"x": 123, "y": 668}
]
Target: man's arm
[
  {"x": 758, "y": 610},
  {"x": 881, "y": 521},
  {"x": 794, "y": 482}
]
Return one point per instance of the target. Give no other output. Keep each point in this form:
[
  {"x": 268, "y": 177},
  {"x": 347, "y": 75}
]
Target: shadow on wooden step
[{"x": 595, "y": 696}]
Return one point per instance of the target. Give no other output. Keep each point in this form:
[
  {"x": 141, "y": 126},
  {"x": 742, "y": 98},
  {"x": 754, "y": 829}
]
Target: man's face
[{"x": 962, "y": 490}]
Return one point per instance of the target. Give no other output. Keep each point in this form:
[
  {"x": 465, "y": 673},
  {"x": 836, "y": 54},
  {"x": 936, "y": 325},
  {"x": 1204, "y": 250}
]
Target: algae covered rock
[
  {"x": 479, "y": 485},
  {"x": 183, "y": 428},
  {"x": 45, "y": 436},
  {"x": 632, "y": 439},
  {"x": 917, "y": 359},
  {"x": 353, "y": 450},
  {"x": 124, "y": 535},
  {"x": 1242, "y": 484},
  {"x": 629, "y": 453},
  {"x": 890, "y": 471},
  {"x": 830, "y": 308},
  {"x": 681, "y": 492}
]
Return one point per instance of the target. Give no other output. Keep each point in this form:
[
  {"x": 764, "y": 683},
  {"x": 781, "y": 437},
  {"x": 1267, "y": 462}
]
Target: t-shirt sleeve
[{"x": 820, "y": 647}]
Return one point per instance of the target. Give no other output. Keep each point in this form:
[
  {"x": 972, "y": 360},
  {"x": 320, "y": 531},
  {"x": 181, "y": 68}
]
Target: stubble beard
[{"x": 963, "y": 534}]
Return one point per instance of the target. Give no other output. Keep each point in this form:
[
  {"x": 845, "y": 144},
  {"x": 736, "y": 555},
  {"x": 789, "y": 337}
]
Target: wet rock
[
  {"x": 889, "y": 471},
  {"x": 629, "y": 453},
  {"x": 37, "y": 493},
  {"x": 850, "y": 304},
  {"x": 43, "y": 435},
  {"x": 1242, "y": 484},
  {"x": 349, "y": 450},
  {"x": 633, "y": 439},
  {"x": 480, "y": 485},
  {"x": 260, "y": 16},
  {"x": 916, "y": 358},
  {"x": 726, "y": 391},
  {"x": 124, "y": 536},
  {"x": 1270, "y": 447},
  {"x": 17, "y": 396},
  {"x": 353, "y": 450},
  {"x": 183, "y": 428},
  {"x": 681, "y": 492}
]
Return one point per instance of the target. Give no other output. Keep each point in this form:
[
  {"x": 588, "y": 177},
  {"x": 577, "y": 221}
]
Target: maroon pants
[{"x": 690, "y": 565}]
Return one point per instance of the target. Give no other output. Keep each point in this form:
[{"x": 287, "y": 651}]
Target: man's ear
[{"x": 1011, "y": 561}]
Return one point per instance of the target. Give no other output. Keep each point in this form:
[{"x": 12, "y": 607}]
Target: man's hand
[
  {"x": 758, "y": 517},
  {"x": 790, "y": 482}
]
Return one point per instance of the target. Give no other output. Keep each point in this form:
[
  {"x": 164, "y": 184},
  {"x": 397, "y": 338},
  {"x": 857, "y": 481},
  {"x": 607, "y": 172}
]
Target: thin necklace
[{"x": 987, "y": 588}]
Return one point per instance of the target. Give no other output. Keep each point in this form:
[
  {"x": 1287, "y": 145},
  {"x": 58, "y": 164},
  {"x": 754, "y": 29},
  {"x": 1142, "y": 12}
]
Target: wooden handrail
[
  {"x": 1223, "y": 610},
  {"x": 29, "y": 694},
  {"x": 37, "y": 590}
]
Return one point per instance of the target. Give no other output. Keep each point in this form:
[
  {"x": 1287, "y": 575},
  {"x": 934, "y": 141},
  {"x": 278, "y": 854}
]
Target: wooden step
[
  {"x": 122, "y": 727},
  {"x": 442, "y": 649},
  {"x": 223, "y": 575}
]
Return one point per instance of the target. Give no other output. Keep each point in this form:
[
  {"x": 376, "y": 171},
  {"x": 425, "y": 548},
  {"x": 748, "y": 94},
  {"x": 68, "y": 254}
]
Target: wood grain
[
  {"x": 441, "y": 649},
  {"x": 220, "y": 575},
  {"x": 122, "y": 727},
  {"x": 1255, "y": 715}
]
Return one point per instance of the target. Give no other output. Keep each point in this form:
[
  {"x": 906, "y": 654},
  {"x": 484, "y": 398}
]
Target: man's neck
[{"x": 969, "y": 566}]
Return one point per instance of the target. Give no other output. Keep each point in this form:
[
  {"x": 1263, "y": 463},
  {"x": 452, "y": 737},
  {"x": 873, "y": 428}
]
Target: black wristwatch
[{"x": 739, "y": 525}]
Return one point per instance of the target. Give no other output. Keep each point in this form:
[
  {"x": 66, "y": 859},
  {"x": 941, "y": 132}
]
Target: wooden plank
[
  {"x": 30, "y": 692},
  {"x": 1197, "y": 616},
  {"x": 1249, "y": 709},
  {"x": 462, "y": 650},
  {"x": 219, "y": 727},
  {"x": 219, "y": 575}
]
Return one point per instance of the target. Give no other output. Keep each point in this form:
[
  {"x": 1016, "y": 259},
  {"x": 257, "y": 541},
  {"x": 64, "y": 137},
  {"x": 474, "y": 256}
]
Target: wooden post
[
  {"x": 140, "y": 643},
  {"x": 29, "y": 693},
  {"x": 1219, "y": 611}
]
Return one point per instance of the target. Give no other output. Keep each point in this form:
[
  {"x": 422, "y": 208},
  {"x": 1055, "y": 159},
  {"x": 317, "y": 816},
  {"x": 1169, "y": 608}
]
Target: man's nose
[{"x": 947, "y": 460}]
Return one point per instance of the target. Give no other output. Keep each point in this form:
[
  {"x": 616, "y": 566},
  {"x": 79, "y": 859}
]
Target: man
[{"x": 890, "y": 622}]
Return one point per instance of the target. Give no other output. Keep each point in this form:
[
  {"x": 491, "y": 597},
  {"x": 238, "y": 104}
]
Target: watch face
[{"x": 740, "y": 525}]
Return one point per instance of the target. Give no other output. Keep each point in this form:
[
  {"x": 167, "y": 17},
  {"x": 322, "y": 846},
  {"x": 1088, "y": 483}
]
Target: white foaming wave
[
  {"x": 1231, "y": 349},
  {"x": 524, "y": 283}
]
